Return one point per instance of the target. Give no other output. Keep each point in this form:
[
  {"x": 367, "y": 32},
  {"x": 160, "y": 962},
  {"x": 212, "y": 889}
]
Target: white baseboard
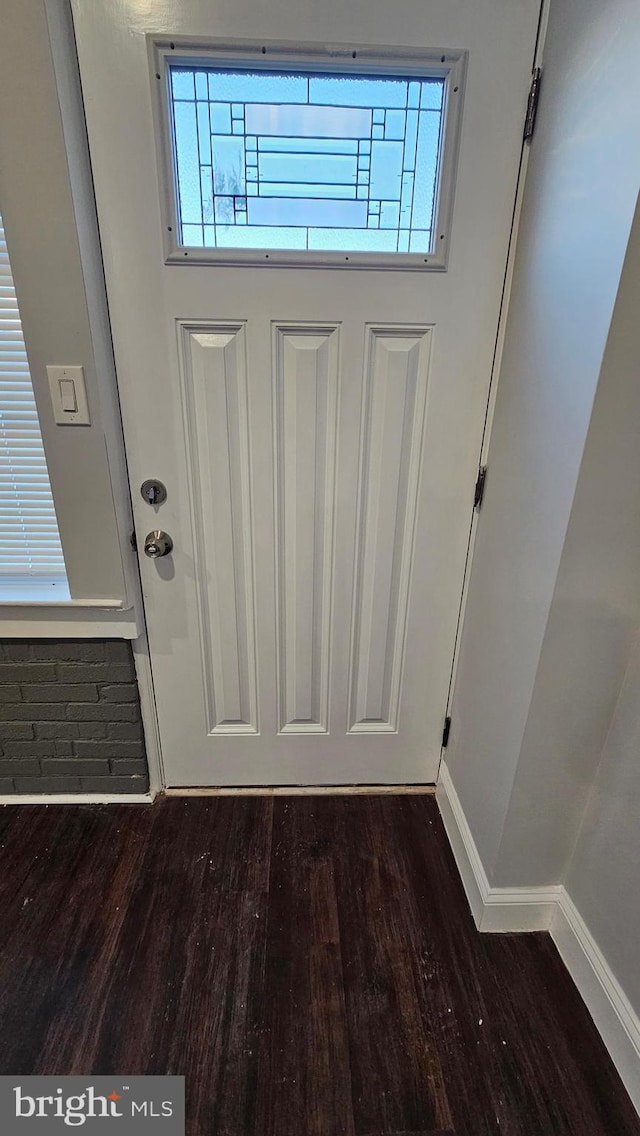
[
  {"x": 494, "y": 909},
  {"x": 77, "y": 799},
  {"x": 548, "y": 909},
  {"x": 616, "y": 1020}
]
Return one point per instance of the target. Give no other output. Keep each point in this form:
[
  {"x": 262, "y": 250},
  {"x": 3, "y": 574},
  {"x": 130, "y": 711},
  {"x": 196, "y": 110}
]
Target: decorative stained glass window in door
[{"x": 274, "y": 160}]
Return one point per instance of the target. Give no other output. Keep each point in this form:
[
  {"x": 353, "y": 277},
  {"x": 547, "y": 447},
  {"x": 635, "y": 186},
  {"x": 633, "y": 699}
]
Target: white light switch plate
[{"x": 67, "y": 388}]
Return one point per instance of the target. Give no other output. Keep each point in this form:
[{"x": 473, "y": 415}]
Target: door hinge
[
  {"x": 132, "y": 540},
  {"x": 532, "y": 104},
  {"x": 446, "y": 731},
  {"x": 478, "y": 496}
]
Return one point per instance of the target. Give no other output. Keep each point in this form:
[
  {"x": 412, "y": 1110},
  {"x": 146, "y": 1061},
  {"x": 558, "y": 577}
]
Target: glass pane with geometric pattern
[{"x": 283, "y": 160}]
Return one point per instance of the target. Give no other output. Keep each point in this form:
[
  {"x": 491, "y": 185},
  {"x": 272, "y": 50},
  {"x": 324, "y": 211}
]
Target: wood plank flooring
[{"x": 309, "y": 964}]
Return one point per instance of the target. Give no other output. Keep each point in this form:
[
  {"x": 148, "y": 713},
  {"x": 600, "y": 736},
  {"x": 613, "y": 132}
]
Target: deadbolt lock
[{"x": 153, "y": 491}]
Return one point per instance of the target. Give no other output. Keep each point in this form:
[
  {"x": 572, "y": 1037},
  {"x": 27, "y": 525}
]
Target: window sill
[{"x": 71, "y": 619}]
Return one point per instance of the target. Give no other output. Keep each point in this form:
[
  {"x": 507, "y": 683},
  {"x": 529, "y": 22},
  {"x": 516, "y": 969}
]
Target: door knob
[{"x": 157, "y": 543}]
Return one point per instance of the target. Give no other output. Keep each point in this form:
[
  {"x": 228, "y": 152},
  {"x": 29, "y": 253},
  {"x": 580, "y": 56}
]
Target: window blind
[{"x": 30, "y": 548}]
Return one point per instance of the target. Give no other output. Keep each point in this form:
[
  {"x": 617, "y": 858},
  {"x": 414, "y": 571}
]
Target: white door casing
[{"x": 318, "y": 430}]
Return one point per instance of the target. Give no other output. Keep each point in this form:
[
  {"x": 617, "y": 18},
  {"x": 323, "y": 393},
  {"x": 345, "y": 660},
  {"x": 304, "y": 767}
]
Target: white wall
[
  {"x": 603, "y": 875},
  {"x": 56, "y": 266},
  {"x": 581, "y": 192},
  {"x": 593, "y": 620}
]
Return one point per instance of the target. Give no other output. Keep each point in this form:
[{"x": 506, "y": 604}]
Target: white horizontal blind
[{"x": 29, "y": 539}]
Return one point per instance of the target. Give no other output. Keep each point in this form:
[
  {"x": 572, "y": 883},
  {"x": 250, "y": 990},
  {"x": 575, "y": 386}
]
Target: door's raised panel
[
  {"x": 305, "y": 377},
  {"x": 392, "y": 429},
  {"x": 216, "y": 414}
]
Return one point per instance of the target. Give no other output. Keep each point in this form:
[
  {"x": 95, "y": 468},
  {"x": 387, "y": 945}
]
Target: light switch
[{"x": 69, "y": 396}]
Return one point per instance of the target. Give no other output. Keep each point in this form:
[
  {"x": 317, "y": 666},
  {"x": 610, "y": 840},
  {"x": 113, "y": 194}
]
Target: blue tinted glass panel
[
  {"x": 259, "y": 87},
  {"x": 394, "y": 124},
  {"x": 228, "y": 165},
  {"x": 204, "y": 134},
  {"x": 308, "y": 121},
  {"x": 182, "y": 84},
  {"x": 310, "y": 145},
  {"x": 314, "y": 211},
  {"x": 220, "y": 118},
  {"x": 342, "y": 90},
  {"x": 206, "y": 187},
  {"x": 335, "y": 169},
  {"x": 426, "y": 162},
  {"x": 305, "y": 161},
  {"x": 410, "y": 140},
  {"x": 224, "y": 210},
  {"x": 417, "y": 240},
  {"x": 386, "y": 170},
  {"x": 299, "y": 189},
  {"x": 352, "y": 240},
  {"x": 390, "y": 215},
  {"x": 193, "y": 235},
  {"x": 188, "y": 160},
  {"x": 248, "y": 236},
  {"x": 431, "y": 95},
  {"x": 406, "y": 200}
]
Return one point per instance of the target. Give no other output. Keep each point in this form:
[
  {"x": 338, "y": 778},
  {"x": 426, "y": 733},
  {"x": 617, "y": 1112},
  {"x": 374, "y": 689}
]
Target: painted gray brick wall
[{"x": 70, "y": 718}]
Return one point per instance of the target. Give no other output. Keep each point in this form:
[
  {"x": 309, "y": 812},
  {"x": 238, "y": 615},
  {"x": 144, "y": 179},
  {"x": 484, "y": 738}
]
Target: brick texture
[{"x": 70, "y": 718}]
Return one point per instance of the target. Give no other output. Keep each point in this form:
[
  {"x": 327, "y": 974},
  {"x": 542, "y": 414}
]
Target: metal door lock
[
  {"x": 157, "y": 543},
  {"x": 153, "y": 491}
]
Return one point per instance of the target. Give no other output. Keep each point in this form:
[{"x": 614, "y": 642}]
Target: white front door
[{"x": 310, "y": 389}]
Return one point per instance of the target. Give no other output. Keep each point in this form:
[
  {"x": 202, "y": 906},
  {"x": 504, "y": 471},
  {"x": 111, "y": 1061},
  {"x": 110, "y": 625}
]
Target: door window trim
[{"x": 349, "y": 60}]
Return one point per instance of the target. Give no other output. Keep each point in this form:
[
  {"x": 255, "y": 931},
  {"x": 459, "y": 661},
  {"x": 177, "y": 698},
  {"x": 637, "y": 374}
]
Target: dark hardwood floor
[{"x": 308, "y": 963}]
